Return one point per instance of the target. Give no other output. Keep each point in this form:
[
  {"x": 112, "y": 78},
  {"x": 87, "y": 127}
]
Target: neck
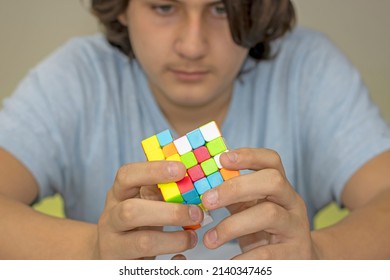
[{"x": 186, "y": 118}]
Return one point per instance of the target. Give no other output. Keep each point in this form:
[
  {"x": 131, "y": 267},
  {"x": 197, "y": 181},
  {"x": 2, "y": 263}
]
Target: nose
[{"x": 191, "y": 42}]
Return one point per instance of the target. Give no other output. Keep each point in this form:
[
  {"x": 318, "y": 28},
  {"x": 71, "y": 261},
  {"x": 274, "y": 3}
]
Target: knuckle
[
  {"x": 275, "y": 157},
  {"x": 144, "y": 244},
  {"x": 233, "y": 187},
  {"x": 273, "y": 211},
  {"x": 276, "y": 179},
  {"x": 226, "y": 231},
  {"x": 122, "y": 175},
  {"x": 177, "y": 213},
  {"x": 153, "y": 170},
  {"x": 127, "y": 212}
]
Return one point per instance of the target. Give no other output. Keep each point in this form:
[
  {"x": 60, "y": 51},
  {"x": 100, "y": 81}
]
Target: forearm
[
  {"x": 28, "y": 234},
  {"x": 363, "y": 234}
]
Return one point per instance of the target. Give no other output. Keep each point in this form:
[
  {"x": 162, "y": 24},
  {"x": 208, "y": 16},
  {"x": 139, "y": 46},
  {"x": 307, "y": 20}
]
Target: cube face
[
  {"x": 169, "y": 150},
  {"x": 150, "y": 144},
  {"x": 202, "y": 154},
  {"x": 171, "y": 192},
  {"x": 156, "y": 154},
  {"x": 189, "y": 160},
  {"x": 196, "y": 138},
  {"x": 209, "y": 166},
  {"x": 185, "y": 185},
  {"x": 196, "y": 173},
  {"x": 210, "y": 131},
  {"x": 199, "y": 151},
  {"x": 215, "y": 179},
  {"x": 182, "y": 145},
  {"x": 164, "y": 138},
  {"x": 202, "y": 185},
  {"x": 216, "y": 146}
]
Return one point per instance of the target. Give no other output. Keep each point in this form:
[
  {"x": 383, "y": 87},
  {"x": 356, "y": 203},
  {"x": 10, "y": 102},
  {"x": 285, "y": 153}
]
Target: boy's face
[{"x": 185, "y": 48}]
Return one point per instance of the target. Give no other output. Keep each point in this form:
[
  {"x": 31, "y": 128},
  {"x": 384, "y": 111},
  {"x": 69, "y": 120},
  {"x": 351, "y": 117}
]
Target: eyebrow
[
  {"x": 208, "y": 3},
  {"x": 183, "y": 1}
]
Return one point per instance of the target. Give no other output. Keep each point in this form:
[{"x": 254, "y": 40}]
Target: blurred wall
[{"x": 29, "y": 30}]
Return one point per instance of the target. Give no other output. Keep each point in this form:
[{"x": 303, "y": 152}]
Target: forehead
[{"x": 188, "y": 2}]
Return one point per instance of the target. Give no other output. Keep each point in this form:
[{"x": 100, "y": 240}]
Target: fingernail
[
  {"x": 212, "y": 236},
  {"x": 212, "y": 197},
  {"x": 173, "y": 169},
  {"x": 194, "y": 212},
  {"x": 232, "y": 156},
  {"x": 194, "y": 239},
  {"x": 179, "y": 257}
]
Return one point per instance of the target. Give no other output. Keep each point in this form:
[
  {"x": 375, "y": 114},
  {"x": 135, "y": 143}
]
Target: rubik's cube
[{"x": 199, "y": 150}]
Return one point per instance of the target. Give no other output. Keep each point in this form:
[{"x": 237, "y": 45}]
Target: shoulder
[
  {"x": 307, "y": 56},
  {"x": 87, "y": 52},
  {"x": 302, "y": 54},
  {"x": 304, "y": 47},
  {"x": 84, "y": 70},
  {"x": 83, "y": 66},
  {"x": 94, "y": 46},
  {"x": 304, "y": 39}
]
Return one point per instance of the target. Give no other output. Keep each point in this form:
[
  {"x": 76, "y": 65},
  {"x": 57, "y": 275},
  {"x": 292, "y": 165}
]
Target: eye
[
  {"x": 219, "y": 10},
  {"x": 163, "y": 9}
]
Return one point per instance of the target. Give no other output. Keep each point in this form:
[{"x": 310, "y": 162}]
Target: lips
[{"x": 190, "y": 75}]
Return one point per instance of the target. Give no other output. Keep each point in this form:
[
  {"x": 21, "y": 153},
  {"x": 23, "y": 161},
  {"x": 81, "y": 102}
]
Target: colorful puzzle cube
[{"x": 199, "y": 150}]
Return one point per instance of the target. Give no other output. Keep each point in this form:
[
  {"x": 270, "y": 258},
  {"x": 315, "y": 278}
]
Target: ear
[{"x": 122, "y": 18}]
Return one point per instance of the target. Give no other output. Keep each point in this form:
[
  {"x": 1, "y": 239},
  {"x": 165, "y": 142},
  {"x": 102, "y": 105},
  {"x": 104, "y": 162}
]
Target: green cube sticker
[
  {"x": 189, "y": 160},
  {"x": 209, "y": 166},
  {"x": 216, "y": 146}
]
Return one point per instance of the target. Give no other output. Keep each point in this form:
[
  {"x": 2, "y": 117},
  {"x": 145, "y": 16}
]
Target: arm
[
  {"x": 364, "y": 233},
  {"x": 28, "y": 234},
  {"x": 127, "y": 228}
]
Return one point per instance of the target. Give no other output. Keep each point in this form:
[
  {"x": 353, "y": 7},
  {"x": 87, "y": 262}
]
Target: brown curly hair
[{"x": 254, "y": 24}]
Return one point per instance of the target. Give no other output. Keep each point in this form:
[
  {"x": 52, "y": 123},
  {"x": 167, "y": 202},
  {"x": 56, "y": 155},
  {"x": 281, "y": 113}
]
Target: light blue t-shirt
[{"x": 82, "y": 113}]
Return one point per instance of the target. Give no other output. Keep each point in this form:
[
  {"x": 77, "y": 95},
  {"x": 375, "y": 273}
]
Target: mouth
[{"x": 189, "y": 75}]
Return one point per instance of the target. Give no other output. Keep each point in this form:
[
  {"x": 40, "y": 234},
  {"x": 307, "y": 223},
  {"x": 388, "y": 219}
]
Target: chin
[{"x": 190, "y": 104}]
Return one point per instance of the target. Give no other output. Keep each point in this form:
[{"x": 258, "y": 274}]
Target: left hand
[{"x": 267, "y": 216}]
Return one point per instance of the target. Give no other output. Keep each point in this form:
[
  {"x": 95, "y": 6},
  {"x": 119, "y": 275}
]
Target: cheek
[
  {"x": 147, "y": 52},
  {"x": 230, "y": 55},
  {"x": 233, "y": 60},
  {"x": 141, "y": 33},
  {"x": 147, "y": 43},
  {"x": 139, "y": 39}
]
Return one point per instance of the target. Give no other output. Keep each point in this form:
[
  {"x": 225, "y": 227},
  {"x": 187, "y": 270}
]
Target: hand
[
  {"x": 268, "y": 217},
  {"x": 130, "y": 226}
]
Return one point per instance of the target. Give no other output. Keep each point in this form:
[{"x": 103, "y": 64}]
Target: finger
[
  {"x": 148, "y": 243},
  {"x": 134, "y": 213},
  {"x": 268, "y": 217},
  {"x": 132, "y": 176},
  {"x": 150, "y": 193},
  {"x": 281, "y": 251},
  {"x": 252, "y": 159},
  {"x": 260, "y": 238},
  {"x": 178, "y": 257},
  {"x": 264, "y": 184}
]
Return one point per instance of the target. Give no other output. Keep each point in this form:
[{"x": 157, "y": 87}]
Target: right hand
[{"x": 130, "y": 226}]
